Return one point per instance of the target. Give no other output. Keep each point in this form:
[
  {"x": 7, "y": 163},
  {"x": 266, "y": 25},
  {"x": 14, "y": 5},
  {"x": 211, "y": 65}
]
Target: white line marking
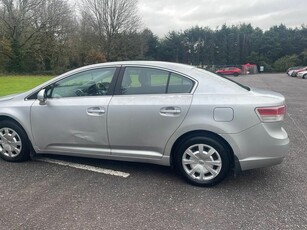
[
  {"x": 296, "y": 125},
  {"x": 85, "y": 167}
]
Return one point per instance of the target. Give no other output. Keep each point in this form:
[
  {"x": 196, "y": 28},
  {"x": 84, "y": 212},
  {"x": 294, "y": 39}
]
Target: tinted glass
[
  {"x": 179, "y": 84},
  {"x": 88, "y": 83},
  {"x": 144, "y": 81}
]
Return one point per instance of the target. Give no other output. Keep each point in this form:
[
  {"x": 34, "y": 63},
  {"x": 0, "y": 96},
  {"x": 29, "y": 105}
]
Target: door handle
[
  {"x": 95, "y": 111},
  {"x": 170, "y": 111}
]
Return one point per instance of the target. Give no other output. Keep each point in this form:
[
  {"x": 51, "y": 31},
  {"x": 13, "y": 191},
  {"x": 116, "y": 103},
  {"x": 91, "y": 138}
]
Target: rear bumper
[
  {"x": 263, "y": 145},
  {"x": 251, "y": 163}
]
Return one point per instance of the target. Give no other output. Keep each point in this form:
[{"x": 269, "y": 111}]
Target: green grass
[{"x": 17, "y": 84}]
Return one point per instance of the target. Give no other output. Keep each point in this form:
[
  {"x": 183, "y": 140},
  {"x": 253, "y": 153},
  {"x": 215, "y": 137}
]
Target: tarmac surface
[{"x": 42, "y": 195}]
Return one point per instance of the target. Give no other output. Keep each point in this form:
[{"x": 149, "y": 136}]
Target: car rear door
[{"x": 150, "y": 105}]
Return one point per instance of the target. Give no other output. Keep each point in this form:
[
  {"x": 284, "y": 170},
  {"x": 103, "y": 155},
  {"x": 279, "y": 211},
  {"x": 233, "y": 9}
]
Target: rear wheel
[
  {"x": 14, "y": 143},
  {"x": 235, "y": 74},
  {"x": 202, "y": 161},
  {"x": 304, "y": 76}
]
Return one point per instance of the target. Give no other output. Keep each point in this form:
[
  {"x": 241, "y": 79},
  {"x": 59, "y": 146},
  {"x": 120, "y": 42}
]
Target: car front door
[
  {"x": 151, "y": 105},
  {"x": 227, "y": 71},
  {"x": 74, "y": 117}
]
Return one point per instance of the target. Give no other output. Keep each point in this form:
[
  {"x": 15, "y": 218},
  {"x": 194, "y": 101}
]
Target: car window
[
  {"x": 153, "y": 81},
  {"x": 144, "y": 81},
  {"x": 179, "y": 84},
  {"x": 88, "y": 83}
]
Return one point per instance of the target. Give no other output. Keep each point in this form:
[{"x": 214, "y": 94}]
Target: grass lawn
[{"x": 17, "y": 84}]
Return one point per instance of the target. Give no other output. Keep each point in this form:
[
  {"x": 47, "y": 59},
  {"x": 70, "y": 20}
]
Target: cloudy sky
[{"x": 162, "y": 16}]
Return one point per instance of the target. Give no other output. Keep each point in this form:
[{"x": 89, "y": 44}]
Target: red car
[{"x": 229, "y": 71}]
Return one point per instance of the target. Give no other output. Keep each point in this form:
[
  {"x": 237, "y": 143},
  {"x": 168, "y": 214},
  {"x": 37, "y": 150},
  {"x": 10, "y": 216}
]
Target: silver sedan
[{"x": 170, "y": 114}]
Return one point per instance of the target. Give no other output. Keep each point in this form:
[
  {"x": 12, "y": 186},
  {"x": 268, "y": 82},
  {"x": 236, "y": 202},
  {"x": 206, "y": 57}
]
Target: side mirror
[{"x": 41, "y": 97}]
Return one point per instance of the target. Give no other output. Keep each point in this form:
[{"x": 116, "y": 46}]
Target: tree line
[{"x": 52, "y": 36}]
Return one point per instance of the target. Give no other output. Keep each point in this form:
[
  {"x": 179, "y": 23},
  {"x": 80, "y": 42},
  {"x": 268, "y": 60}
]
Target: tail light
[{"x": 271, "y": 114}]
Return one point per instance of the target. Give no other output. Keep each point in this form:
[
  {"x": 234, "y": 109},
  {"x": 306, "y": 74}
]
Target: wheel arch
[
  {"x": 5, "y": 117},
  {"x": 28, "y": 139},
  {"x": 9, "y": 118},
  {"x": 206, "y": 133}
]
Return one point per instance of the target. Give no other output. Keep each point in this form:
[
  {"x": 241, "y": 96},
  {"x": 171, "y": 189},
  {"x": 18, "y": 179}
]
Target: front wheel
[
  {"x": 14, "y": 143},
  {"x": 202, "y": 161}
]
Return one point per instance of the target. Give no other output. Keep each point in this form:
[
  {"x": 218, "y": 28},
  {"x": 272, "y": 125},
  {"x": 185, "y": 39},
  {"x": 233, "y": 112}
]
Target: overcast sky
[{"x": 162, "y": 16}]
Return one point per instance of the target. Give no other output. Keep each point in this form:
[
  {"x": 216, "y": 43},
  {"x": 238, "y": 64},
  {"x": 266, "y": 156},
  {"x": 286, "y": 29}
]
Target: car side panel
[
  {"x": 201, "y": 115},
  {"x": 18, "y": 110},
  {"x": 138, "y": 126},
  {"x": 68, "y": 125}
]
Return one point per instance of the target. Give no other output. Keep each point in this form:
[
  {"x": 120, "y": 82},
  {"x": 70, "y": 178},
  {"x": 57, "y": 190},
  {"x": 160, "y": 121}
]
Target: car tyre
[
  {"x": 304, "y": 76},
  {"x": 202, "y": 161},
  {"x": 14, "y": 143},
  {"x": 236, "y": 74}
]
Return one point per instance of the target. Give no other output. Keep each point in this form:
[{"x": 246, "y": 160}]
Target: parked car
[
  {"x": 229, "y": 71},
  {"x": 291, "y": 69},
  {"x": 154, "y": 112},
  {"x": 295, "y": 72},
  {"x": 302, "y": 74}
]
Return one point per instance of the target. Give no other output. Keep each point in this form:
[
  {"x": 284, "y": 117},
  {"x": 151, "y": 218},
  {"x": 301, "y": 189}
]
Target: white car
[
  {"x": 302, "y": 74},
  {"x": 154, "y": 112},
  {"x": 291, "y": 70}
]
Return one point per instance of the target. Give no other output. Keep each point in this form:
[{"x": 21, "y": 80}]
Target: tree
[
  {"x": 285, "y": 62},
  {"x": 173, "y": 48},
  {"x": 110, "y": 18},
  {"x": 26, "y": 22},
  {"x": 148, "y": 45}
]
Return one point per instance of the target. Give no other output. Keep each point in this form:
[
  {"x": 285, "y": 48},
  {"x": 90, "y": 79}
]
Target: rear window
[{"x": 222, "y": 77}]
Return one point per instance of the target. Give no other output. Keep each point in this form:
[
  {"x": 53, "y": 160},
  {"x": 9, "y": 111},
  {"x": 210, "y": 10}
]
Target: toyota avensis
[{"x": 155, "y": 112}]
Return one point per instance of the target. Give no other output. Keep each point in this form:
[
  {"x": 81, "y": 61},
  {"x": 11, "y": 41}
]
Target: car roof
[{"x": 183, "y": 68}]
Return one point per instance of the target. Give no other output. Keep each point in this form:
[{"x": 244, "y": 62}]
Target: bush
[{"x": 285, "y": 62}]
